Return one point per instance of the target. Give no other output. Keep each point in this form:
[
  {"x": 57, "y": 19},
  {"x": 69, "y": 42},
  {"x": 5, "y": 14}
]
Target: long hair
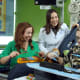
[
  {"x": 48, "y": 25},
  {"x": 19, "y": 39}
]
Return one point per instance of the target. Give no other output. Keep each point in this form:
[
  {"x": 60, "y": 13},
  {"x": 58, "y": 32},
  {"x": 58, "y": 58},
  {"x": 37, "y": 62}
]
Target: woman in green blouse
[{"x": 22, "y": 46}]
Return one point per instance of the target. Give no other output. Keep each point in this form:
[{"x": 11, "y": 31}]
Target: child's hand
[
  {"x": 75, "y": 25},
  {"x": 60, "y": 60}
]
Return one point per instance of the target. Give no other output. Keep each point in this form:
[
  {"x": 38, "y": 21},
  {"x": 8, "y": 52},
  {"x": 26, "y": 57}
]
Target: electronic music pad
[
  {"x": 29, "y": 59},
  {"x": 52, "y": 65}
]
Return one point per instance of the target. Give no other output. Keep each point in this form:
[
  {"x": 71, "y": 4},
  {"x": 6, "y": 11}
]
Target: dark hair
[
  {"x": 20, "y": 29},
  {"x": 48, "y": 25}
]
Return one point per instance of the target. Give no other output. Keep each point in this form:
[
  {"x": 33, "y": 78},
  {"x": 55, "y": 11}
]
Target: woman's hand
[
  {"x": 59, "y": 59},
  {"x": 14, "y": 54},
  {"x": 7, "y": 58},
  {"x": 75, "y": 25},
  {"x": 51, "y": 55},
  {"x": 41, "y": 54}
]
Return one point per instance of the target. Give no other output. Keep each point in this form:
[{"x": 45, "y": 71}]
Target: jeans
[{"x": 19, "y": 70}]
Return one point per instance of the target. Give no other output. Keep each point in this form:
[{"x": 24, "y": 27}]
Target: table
[
  {"x": 37, "y": 66},
  {"x": 54, "y": 71}
]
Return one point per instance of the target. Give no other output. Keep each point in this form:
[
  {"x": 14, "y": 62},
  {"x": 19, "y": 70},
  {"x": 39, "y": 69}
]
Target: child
[{"x": 75, "y": 54}]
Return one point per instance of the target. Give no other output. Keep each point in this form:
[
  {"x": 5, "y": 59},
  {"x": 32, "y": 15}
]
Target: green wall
[
  {"x": 27, "y": 11},
  {"x": 66, "y": 12}
]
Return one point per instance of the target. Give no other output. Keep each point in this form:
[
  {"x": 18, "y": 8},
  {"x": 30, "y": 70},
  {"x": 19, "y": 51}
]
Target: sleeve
[
  {"x": 42, "y": 41},
  {"x": 6, "y": 51}
]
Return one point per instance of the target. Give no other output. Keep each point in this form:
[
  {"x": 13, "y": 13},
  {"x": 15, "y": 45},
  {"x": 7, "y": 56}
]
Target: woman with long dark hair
[{"x": 52, "y": 34}]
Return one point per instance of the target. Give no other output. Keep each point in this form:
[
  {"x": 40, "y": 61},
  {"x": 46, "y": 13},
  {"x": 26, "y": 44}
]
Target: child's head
[{"x": 78, "y": 36}]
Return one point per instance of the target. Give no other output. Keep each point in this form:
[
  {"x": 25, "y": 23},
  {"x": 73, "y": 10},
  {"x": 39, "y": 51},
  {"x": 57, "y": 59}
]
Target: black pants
[{"x": 19, "y": 70}]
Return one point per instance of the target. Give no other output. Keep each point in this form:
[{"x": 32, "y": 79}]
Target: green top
[{"x": 11, "y": 47}]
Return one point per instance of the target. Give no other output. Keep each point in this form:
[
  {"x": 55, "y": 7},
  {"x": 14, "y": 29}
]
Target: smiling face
[
  {"x": 28, "y": 34},
  {"x": 78, "y": 37},
  {"x": 54, "y": 19}
]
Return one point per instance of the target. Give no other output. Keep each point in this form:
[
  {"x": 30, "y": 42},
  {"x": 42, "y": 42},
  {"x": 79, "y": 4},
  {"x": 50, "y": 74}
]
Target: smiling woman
[
  {"x": 23, "y": 35},
  {"x": 21, "y": 47},
  {"x": 53, "y": 33}
]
